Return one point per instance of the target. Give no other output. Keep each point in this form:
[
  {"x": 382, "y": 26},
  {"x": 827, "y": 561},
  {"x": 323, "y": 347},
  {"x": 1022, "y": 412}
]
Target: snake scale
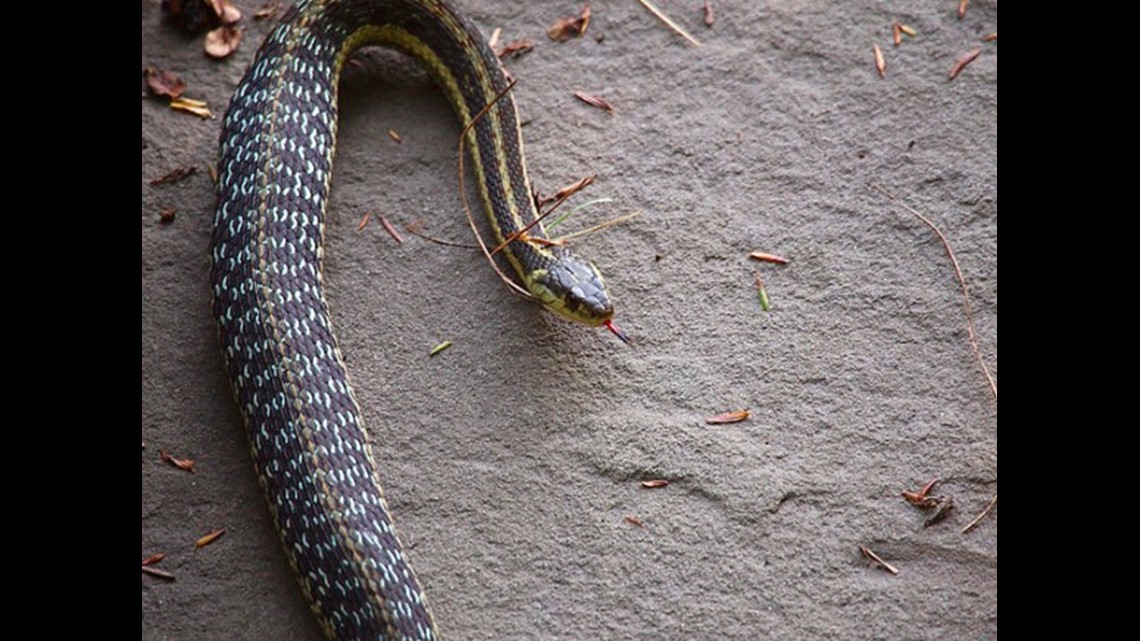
[{"x": 311, "y": 453}]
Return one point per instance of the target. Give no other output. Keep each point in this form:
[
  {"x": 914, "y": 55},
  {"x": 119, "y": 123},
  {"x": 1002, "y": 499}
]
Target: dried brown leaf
[
  {"x": 729, "y": 417},
  {"x": 391, "y": 230},
  {"x": 155, "y": 572},
  {"x": 174, "y": 175},
  {"x": 180, "y": 463},
  {"x": 564, "y": 29},
  {"x": 768, "y": 258},
  {"x": 209, "y": 538},
  {"x": 163, "y": 83},
  {"x": 920, "y": 497},
  {"x": 595, "y": 101},
  {"x": 212, "y": 169},
  {"x": 227, "y": 13},
  {"x": 880, "y": 64},
  {"x": 221, "y": 42},
  {"x": 962, "y": 61},
  {"x": 654, "y": 483},
  {"x": 154, "y": 558},
  {"x": 515, "y": 48},
  {"x": 189, "y": 105},
  {"x": 633, "y": 520},
  {"x": 568, "y": 190}
]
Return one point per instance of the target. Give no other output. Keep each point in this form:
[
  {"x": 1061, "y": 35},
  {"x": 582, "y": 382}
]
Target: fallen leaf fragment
[
  {"x": 896, "y": 34},
  {"x": 189, "y": 105},
  {"x": 221, "y": 42},
  {"x": 166, "y": 216},
  {"x": 908, "y": 30},
  {"x": 876, "y": 560},
  {"x": 212, "y": 169},
  {"x": 762, "y": 293},
  {"x": 155, "y": 572},
  {"x": 768, "y": 258},
  {"x": 439, "y": 348},
  {"x": 363, "y": 222},
  {"x": 990, "y": 37},
  {"x": 564, "y": 29},
  {"x": 391, "y": 230},
  {"x": 154, "y": 558},
  {"x": 226, "y": 12},
  {"x": 962, "y": 8},
  {"x": 493, "y": 41},
  {"x": 209, "y": 538},
  {"x": 708, "y": 14},
  {"x": 568, "y": 191},
  {"x": 163, "y": 83},
  {"x": 921, "y": 498},
  {"x": 395, "y": 136},
  {"x": 267, "y": 10},
  {"x": 633, "y": 520},
  {"x": 880, "y": 64},
  {"x": 962, "y": 61},
  {"x": 515, "y": 48},
  {"x": 174, "y": 175},
  {"x": 594, "y": 101},
  {"x": 729, "y": 417},
  {"x": 654, "y": 483},
  {"x": 180, "y": 463},
  {"x": 944, "y": 510}
]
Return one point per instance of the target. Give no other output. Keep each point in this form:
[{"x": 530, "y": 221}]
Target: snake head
[{"x": 574, "y": 288}]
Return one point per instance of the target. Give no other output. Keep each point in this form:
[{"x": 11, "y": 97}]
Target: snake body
[{"x": 311, "y": 453}]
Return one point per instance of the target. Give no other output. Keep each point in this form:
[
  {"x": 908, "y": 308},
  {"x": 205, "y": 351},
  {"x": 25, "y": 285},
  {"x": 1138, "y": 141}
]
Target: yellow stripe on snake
[{"x": 311, "y": 452}]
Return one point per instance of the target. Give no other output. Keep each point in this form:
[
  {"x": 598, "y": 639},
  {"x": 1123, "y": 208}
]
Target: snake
[{"x": 311, "y": 452}]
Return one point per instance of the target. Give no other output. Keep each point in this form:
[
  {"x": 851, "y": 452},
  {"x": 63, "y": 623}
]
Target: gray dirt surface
[{"x": 513, "y": 460}]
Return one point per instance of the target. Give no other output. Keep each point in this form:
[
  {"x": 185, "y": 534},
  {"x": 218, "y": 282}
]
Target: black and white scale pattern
[{"x": 310, "y": 450}]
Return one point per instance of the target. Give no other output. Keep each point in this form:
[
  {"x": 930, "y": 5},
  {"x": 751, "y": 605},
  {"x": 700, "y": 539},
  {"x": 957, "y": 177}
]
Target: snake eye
[{"x": 576, "y": 290}]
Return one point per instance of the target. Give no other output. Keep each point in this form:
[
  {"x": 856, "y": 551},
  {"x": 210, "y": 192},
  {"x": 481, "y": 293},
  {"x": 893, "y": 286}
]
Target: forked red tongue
[{"x": 617, "y": 331}]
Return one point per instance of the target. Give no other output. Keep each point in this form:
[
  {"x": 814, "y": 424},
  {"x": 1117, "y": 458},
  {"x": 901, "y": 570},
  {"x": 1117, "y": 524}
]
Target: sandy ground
[{"x": 513, "y": 460}]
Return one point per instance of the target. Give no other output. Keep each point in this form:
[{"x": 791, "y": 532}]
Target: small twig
[
  {"x": 439, "y": 241},
  {"x": 961, "y": 283},
  {"x": 669, "y": 23},
  {"x": 569, "y": 190},
  {"x": 601, "y": 226},
  {"x": 978, "y": 518},
  {"x": 876, "y": 560},
  {"x": 463, "y": 192}
]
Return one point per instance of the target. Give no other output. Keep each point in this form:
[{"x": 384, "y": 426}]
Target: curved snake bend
[{"x": 311, "y": 453}]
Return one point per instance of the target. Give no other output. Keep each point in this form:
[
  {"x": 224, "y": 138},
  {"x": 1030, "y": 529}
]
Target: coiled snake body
[{"x": 311, "y": 453}]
